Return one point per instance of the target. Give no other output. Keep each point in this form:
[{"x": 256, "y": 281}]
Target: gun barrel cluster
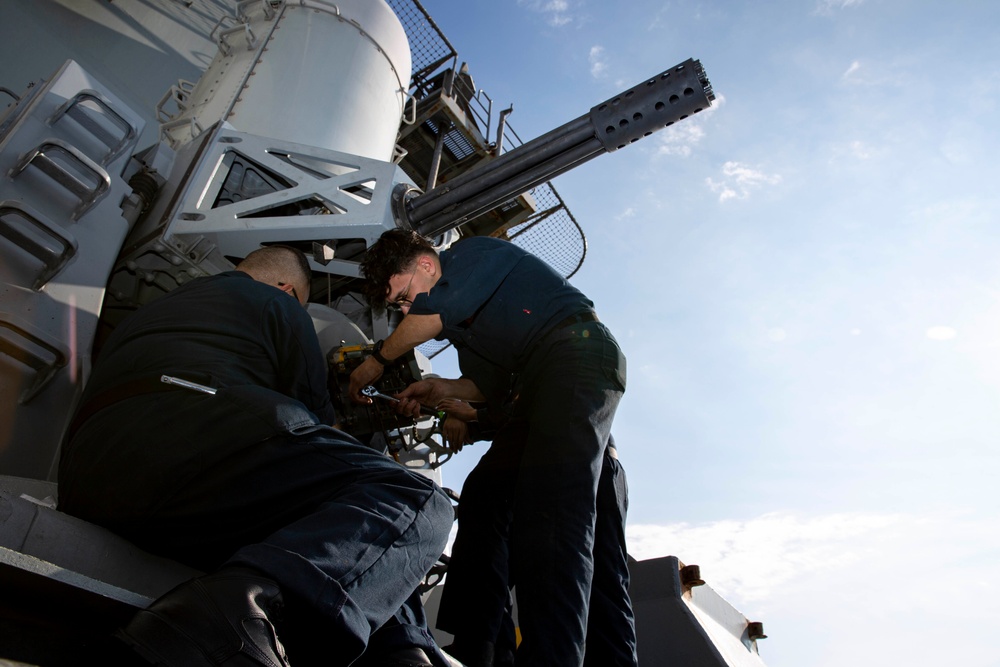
[{"x": 654, "y": 104}]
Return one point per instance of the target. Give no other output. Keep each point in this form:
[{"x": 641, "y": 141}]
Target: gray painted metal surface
[{"x": 62, "y": 153}]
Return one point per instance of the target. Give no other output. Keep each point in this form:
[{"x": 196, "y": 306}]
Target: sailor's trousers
[{"x": 346, "y": 532}]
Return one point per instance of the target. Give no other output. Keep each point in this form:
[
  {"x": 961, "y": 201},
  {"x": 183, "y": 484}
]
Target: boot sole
[{"x": 161, "y": 644}]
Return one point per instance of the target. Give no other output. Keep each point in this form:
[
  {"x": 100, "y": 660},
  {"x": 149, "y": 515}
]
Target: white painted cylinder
[{"x": 330, "y": 75}]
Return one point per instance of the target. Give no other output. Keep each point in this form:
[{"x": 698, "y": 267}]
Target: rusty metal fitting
[
  {"x": 755, "y": 630},
  {"x": 691, "y": 576}
]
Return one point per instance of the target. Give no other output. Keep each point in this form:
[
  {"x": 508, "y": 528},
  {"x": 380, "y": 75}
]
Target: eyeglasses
[
  {"x": 403, "y": 298},
  {"x": 294, "y": 293}
]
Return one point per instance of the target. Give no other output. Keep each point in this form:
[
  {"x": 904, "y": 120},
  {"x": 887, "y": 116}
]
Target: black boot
[{"x": 219, "y": 619}]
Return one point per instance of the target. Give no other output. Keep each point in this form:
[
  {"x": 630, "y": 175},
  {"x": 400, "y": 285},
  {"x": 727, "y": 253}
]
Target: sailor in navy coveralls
[{"x": 495, "y": 300}]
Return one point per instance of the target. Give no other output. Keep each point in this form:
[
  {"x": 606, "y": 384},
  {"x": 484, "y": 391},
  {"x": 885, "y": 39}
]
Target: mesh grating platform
[
  {"x": 429, "y": 48},
  {"x": 552, "y": 233}
]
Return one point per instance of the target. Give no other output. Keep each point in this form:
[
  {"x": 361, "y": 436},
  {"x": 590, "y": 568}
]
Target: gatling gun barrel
[{"x": 654, "y": 104}]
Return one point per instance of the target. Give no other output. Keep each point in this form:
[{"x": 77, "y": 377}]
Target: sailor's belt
[{"x": 579, "y": 318}]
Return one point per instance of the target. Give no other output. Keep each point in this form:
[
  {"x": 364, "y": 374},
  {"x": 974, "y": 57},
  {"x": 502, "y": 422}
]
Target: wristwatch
[{"x": 377, "y": 354}]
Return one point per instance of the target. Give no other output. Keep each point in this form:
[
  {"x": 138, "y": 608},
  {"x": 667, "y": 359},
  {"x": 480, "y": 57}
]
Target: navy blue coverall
[
  {"x": 514, "y": 311},
  {"x": 254, "y": 475}
]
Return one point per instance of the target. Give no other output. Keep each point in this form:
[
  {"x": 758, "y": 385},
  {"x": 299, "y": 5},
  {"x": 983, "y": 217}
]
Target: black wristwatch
[{"x": 377, "y": 354}]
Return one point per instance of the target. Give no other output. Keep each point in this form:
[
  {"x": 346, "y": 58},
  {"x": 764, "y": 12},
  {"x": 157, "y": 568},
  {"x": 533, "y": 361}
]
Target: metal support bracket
[{"x": 244, "y": 28}]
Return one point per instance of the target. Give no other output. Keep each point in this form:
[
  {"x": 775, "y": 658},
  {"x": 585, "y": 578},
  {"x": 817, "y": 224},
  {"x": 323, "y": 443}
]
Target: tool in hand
[
  {"x": 187, "y": 384},
  {"x": 371, "y": 392}
]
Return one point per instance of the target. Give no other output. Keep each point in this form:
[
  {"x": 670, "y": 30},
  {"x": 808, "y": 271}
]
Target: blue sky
[{"x": 804, "y": 281}]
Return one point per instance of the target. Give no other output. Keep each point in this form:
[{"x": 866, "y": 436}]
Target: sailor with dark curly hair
[{"x": 492, "y": 299}]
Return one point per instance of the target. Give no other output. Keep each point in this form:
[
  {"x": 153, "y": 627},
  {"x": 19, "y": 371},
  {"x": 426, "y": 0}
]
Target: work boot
[{"x": 219, "y": 619}]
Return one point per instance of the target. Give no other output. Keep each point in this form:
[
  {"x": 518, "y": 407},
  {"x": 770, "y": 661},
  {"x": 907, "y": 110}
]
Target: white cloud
[
  {"x": 557, "y": 12},
  {"x": 627, "y": 214},
  {"x": 752, "y": 559},
  {"x": 739, "y": 181},
  {"x": 855, "y": 66},
  {"x": 681, "y": 138},
  {"x": 827, "y": 7},
  {"x": 878, "y": 74},
  {"x": 860, "y": 150},
  {"x": 861, "y": 576},
  {"x": 598, "y": 65},
  {"x": 942, "y": 333},
  {"x": 855, "y": 151}
]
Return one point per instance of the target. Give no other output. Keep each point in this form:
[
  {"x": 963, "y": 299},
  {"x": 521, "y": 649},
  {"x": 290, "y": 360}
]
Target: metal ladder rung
[
  {"x": 53, "y": 260},
  {"x": 24, "y": 347},
  {"x": 42, "y": 158},
  {"x": 74, "y": 110}
]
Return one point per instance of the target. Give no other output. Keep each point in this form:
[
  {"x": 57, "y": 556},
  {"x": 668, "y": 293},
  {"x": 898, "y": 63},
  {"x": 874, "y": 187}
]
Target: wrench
[{"x": 371, "y": 392}]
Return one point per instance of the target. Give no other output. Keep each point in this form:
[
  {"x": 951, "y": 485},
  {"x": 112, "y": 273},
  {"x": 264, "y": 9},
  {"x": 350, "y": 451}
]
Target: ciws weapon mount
[{"x": 147, "y": 143}]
